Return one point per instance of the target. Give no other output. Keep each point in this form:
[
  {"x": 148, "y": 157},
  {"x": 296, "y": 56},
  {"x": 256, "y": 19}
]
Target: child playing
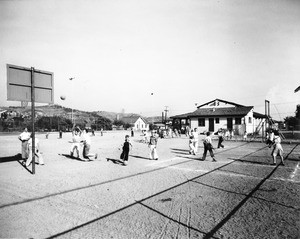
[
  {"x": 191, "y": 145},
  {"x": 245, "y": 136},
  {"x": 76, "y": 139},
  {"x": 232, "y": 136},
  {"x": 227, "y": 134},
  {"x": 221, "y": 138},
  {"x": 86, "y": 140},
  {"x": 270, "y": 138},
  {"x": 153, "y": 145},
  {"x": 125, "y": 147},
  {"x": 24, "y": 137},
  {"x": 208, "y": 147},
  {"x": 38, "y": 156},
  {"x": 277, "y": 148}
]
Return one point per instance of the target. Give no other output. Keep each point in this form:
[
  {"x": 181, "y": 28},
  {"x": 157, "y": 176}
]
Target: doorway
[
  {"x": 211, "y": 125},
  {"x": 229, "y": 123}
]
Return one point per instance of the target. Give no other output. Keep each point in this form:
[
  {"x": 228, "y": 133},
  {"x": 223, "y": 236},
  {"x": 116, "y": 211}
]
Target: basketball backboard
[{"x": 19, "y": 84}]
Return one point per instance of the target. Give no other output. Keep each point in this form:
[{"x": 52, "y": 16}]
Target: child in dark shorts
[
  {"x": 207, "y": 143},
  {"x": 125, "y": 150}
]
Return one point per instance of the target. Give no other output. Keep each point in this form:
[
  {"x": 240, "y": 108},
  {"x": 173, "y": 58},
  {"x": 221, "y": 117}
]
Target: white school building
[{"x": 218, "y": 114}]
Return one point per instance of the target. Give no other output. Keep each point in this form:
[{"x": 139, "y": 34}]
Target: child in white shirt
[
  {"x": 277, "y": 149},
  {"x": 208, "y": 147}
]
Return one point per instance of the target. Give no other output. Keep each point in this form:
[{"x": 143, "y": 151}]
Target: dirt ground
[{"x": 177, "y": 196}]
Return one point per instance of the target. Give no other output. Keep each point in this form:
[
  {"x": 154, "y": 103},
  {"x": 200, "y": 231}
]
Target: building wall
[
  {"x": 260, "y": 126},
  {"x": 140, "y": 125},
  {"x": 249, "y": 122},
  {"x": 245, "y": 125}
]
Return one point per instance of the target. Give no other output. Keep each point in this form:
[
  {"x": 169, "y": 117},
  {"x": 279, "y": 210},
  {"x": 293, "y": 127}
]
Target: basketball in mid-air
[{"x": 62, "y": 97}]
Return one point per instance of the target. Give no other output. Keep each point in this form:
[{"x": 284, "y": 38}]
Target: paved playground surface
[{"x": 178, "y": 196}]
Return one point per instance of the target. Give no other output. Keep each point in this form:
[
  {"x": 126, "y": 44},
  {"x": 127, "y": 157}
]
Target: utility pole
[
  {"x": 166, "y": 113},
  {"x": 72, "y": 78}
]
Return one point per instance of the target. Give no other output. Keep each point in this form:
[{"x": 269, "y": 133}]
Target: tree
[
  {"x": 298, "y": 112},
  {"x": 293, "y": 122},
  {"x": 55, "y": 122},
  {"x": 102, "y": 122},
  {"x": 119, "y": 123}
]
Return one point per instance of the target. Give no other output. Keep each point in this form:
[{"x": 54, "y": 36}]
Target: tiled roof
[
  {"x": 206, "y": 112},
  {"x": 258, "y": 115},
  {"x": 182, "y": 116},
  {"x": 230, "y": 111}
]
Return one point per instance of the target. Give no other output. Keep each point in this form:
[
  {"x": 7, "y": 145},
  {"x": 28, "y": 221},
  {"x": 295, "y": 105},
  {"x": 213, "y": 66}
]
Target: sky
[{"x": 143, "y": 56}]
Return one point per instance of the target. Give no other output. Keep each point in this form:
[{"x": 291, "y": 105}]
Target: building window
[
  {"x": 201, "y": 122},
  {"x": 238, "y": 120},
  {"x": 217, "y": 120},
  {"x": 250, "y": 120}
]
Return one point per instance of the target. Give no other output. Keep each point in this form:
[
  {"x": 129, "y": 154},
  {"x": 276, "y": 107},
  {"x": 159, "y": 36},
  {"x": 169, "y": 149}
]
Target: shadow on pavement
[
  {"x": 139, "y": 157},
  {"x": 72, "y": 157},
  {"x": 251, "y": 162},
  {"x": 116, "y": 161},
  {"x": 16, "y": 157},
  {"x": 199, "y": 158},
  {"x": 243, "y": 194},
  {"x": 179, "y": 152},
  {"x": 183, "y": 150}
]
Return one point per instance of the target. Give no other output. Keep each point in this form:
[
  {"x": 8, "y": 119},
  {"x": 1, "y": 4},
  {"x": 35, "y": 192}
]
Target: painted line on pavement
[
  {"x": 233, "y": 174},
  {"x": 162, "y": 162}
]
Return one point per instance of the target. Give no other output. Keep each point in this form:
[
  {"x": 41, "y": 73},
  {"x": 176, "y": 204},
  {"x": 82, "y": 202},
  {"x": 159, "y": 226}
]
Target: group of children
[
  {"x": 26, "y": 138},
  {"x": 273, "y": 139},
  {"x": 152, "y": 143},
  {"x": 207, "y": 143},
  {"x": 81, "y": 137}
]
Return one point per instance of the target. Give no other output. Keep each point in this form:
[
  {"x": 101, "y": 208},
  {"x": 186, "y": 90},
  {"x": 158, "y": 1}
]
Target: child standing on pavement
[
  {"x": 126, "y": 148},
  {"x": 270, "y": 138},
  {"x": 153, "y": 145},
  {"x": 221, "y": 138},
  {"x": 76, "y": 139},
  {"x": 245, "y": 136},
  {"x": 196, "y": 139},
  {"x": 277, "y": 148},
  {"x": 38, "y": 156},
  {"x": 145, "y": 137},
  {"x": 208, "y": 147},
  {"x": 191, "y": 145},
  {"x": 24, "y": 137},
  {"x": 86, "y": 140}
]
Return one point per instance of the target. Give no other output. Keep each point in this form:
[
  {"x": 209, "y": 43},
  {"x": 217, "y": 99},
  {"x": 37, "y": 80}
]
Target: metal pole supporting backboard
[
  {"x": 32, "y": 119},
  {"x": 267, "y": 113}
]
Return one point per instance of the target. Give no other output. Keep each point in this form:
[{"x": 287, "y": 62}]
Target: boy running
[{"x": 208, "y": 147}]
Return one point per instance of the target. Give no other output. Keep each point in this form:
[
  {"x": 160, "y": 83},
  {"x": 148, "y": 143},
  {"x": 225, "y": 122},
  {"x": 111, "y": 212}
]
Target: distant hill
[{"x": 58, "y": 110}]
